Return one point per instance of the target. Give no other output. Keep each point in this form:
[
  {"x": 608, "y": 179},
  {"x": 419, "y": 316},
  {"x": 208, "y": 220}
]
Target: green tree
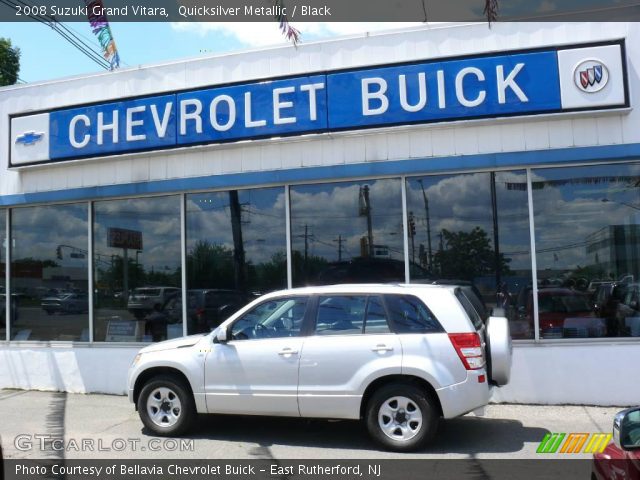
[
  {"x": 210, "y": 265},
  {"x": 467, "y": 255},
  {"x": 9, "y": 62}
]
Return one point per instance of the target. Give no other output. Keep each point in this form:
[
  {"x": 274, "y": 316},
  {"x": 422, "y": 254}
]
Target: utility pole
[
  {"x": 496, "y": 238},
  {"x": 365, "y": 209},
  {"x": 339, "y": 241},
  {"x": 306, "y": 244},
  {"x": 426, "y": 211},
  {"x": 412, "y": 236},
  {"x": 306, "y": 235},
  {"x": 238, "y": 244}
]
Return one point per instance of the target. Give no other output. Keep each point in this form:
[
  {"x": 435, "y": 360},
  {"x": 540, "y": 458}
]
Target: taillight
[{"x": 469, "y": 349}]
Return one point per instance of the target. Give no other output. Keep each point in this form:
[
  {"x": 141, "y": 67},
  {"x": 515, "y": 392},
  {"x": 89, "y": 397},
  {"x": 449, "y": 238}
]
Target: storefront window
[
  {"x": 348, "y": 232},
  {"x": 587, "y": 227},
  {"x": 473, "y": 229},
  {"x": 49, "y": 273},
  {"x": 236, "y": 250},
  {"x": 137, "y": 265}
]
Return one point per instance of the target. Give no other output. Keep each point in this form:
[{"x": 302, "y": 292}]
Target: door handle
[
  {"x": 287, "y": 351},
  {"x": 382, "y": 348}
]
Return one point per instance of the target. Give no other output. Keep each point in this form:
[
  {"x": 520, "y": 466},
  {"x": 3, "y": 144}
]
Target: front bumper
[{"x": 464, "y": 397}]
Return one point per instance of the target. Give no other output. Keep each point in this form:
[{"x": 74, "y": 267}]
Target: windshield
[
  {"x": 147, "y": 291},
  {"x": 563, "y": 303}
]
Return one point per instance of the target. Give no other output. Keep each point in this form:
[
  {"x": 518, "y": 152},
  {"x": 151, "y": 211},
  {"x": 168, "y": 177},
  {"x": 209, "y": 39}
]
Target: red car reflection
[{"x": 564, "y": 313}]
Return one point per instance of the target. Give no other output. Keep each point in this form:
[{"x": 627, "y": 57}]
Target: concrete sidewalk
[{"x": 106, "y": 426}]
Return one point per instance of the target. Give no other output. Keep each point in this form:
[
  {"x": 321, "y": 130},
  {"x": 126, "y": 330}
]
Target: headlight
[{"x": 136, "y": 360}]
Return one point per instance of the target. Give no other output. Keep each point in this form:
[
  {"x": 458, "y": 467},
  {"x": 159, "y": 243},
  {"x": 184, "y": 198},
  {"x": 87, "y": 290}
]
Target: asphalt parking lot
[{"x": 70, "y": 426}]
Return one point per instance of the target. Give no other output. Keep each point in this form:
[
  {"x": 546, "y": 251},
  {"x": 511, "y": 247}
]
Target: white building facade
[{"x": 148, "y": 203}]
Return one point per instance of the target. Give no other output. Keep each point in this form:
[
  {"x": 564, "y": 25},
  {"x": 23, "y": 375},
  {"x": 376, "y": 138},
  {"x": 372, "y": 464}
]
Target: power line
[{"x": 64, "y": 32}]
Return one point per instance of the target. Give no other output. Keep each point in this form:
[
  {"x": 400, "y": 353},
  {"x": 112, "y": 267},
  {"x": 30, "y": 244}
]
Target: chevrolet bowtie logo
[{"x": 29, "y": 138}]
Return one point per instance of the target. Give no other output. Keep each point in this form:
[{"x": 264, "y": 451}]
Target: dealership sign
[{"x": 537, "y": 82}]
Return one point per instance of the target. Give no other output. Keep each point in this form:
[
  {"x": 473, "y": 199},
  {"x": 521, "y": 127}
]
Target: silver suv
[
  {"x": 146, "y": 299},
  {"x": 399, "y": 357}
]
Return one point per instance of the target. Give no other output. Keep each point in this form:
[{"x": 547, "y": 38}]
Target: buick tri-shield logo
[{"x": 591, "y": 76}]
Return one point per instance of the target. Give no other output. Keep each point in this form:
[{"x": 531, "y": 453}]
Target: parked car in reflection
[
  {"x": 563, "y": 313},
  {"x": 66, "y": 302},
  {"x": 144, "y": 300},
  {"x": 206, "y": 309},
  {"x": 619, "y": 305},
  {"x": 621, "y": 458},
  {"x": 628, "y": 311}
]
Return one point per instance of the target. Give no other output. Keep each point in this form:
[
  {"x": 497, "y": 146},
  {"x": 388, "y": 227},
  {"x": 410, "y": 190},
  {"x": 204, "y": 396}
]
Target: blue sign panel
[
  {"x": 508, "y": 84},
  {"x": 486, "y": 86},
  {"x": 111, "y": 128},
  {"x": 272, "y": 108}
]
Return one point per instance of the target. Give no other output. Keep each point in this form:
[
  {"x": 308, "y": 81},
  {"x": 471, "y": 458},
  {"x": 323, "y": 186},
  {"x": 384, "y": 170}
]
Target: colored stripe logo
[{"x": 574, "y": 443}]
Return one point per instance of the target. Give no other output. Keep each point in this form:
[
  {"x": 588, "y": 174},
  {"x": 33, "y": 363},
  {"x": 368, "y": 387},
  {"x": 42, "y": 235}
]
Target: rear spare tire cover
[{"x": 499, "y": 350}]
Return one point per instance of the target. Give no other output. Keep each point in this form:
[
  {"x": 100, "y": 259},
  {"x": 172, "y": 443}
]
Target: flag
[{"x": 101, "y": 29}]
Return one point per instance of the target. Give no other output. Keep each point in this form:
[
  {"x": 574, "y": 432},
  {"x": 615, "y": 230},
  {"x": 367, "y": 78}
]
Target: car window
[
  {"x": 476, "y": 300},
  {"x": 376, "y": 317},
  {"x": 276, "y": 318},
  {"x": 340, "y": 314},
  {"x": 152, "y": 292},
  {"x": 473, "y": 314},
  {"x": 409, "y": 315}
]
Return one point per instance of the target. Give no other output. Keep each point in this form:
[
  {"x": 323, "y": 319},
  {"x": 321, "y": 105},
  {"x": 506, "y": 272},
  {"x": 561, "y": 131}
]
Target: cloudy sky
[{"x": 46, "y": 55}]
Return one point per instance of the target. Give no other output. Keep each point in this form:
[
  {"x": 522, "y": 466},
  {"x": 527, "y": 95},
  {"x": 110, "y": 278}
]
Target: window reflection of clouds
[
  {"x": 262, "y": 221},
  {"x": 569, "y": 207},
  {"x": 462, "y": 202},
  {"x": 158, "y": 218},
  {"x": 43, "y": 241},
  {"x": 37, "y": 231},
  {"x": 332, "y": 210}
]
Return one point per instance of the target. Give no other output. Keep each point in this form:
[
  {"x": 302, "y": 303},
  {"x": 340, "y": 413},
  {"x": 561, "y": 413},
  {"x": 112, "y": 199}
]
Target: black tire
[
  {"x": 413, "y": 436},
  {"x": 166, "y": 389}
]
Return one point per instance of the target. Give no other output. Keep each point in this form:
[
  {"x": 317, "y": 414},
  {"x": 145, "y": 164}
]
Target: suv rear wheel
[
  {"x": 166, "y": 407},
  {"x": 401, "y": 417}
]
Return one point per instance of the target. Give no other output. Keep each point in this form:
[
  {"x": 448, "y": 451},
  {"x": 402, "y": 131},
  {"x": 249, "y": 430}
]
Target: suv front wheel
[
  {"x": 401, "y": 417},
  {"x": 166, "y": 407}
]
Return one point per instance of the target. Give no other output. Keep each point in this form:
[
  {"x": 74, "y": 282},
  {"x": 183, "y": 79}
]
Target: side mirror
[
  {"x": 220, "y": 335},
  {"x": 626, "y": 429}
]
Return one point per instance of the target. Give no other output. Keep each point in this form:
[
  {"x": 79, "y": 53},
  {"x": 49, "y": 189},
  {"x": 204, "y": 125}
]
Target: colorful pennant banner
[{"x": 100, "y": 27}]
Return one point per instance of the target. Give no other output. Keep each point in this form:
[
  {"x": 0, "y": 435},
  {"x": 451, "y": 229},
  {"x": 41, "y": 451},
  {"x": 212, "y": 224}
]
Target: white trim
[
  {"x": 534, "y": 262},
  {"x": 405, "y": 230},
  {"x": 183, "y": 261},
  {"x": 287, "y": 219},
  {"x": 90, "y": 266}
]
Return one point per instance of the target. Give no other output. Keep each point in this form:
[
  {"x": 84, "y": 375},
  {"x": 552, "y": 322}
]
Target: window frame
[
  {"x": 303, "y": 324},
  {"x": 363, "y": 330},
  {"x": 393, "y": 324}
]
